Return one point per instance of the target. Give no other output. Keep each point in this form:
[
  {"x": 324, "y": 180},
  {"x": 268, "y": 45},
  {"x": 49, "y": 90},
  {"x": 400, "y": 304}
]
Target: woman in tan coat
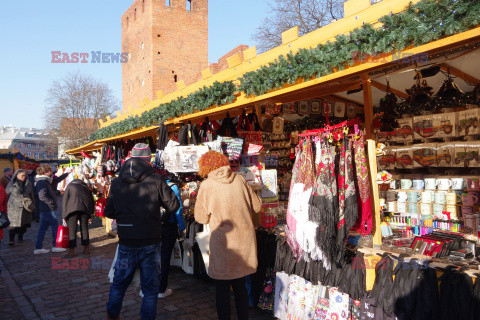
[{"x": 226, "y": 202}]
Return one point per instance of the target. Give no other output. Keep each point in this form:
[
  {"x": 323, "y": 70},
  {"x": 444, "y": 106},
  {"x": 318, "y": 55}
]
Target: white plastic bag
[
  {"x": 203, "y": 240},
  {"x": 188, "y": 261},
  {"x": 176, "y": 259}
]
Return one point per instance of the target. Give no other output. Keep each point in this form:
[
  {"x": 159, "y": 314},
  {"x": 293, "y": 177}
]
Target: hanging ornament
[
  {"x": 449, "y": 94},
  {"x": 419, "y": 95},
  {"x": 388, "y": 105}
]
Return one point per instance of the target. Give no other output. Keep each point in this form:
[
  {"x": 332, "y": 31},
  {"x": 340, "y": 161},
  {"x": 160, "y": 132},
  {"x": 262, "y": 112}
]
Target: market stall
[{"x": 302, "y": 122}]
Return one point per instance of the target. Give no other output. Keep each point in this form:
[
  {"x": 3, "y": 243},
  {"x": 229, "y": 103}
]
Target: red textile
[
  {"x": 3, "y": 204},
  {"x": 364, "y": 222}
]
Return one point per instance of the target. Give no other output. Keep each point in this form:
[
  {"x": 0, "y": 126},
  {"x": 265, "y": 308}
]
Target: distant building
[
  {"x": 74, "y": 132},
  {"x": 32, "y": 143},
  {"x": 167, "y": 41}
]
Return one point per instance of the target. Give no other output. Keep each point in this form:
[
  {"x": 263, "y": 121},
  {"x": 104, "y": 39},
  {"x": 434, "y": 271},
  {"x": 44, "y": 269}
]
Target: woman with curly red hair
[{"x": 226, "y": 202}]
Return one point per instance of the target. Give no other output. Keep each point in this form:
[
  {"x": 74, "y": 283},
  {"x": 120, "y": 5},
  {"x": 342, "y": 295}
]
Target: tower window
[
  {"x": 167, "y": 3},
  {"x": 135, "y": 14},
  {"x": 189, "y": 5},
  {"x": 143, "y": 6},
  {"x": 175, "y": 78},
  {"x": 127, "y": 22}
]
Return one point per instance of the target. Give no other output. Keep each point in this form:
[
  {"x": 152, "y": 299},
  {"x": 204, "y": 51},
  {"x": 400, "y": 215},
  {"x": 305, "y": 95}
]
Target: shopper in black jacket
[
  {"x": 47, "y": 203},
  {"x": 136, "y": 200},
  {"x": 77, "y": 205}
]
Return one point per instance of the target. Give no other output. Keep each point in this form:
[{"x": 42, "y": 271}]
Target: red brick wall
[
  {"x": 175, "y": 43},
  {"x": 222, "y": 62}
]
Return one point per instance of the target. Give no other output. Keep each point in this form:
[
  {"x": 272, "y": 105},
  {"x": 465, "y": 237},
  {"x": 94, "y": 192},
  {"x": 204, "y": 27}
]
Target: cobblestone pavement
[{"x": 48, "y": 287}]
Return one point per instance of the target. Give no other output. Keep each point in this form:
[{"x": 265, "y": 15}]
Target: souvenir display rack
[{"x": 364, "y": 83}]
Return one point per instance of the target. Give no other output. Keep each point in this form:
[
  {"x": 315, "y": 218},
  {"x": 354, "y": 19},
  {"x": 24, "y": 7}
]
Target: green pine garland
[
  {"x": 217, "y": 94},
  {"x": 419, "y": 24}
]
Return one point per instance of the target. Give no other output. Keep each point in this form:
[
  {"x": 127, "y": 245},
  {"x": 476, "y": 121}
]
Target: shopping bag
[
  {"x": 188, "y": 261},
  {"x": 4, "y": 221},
  {"x": 100, "y": 207},
  {"x": 203, "y": 240},
  {"x": 176, "y": 258},
  {"x": 62, "y": 236}
]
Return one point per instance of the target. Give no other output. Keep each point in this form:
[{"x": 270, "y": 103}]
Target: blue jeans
[
  {"x": 47, "y": 219},
  {"x": 146, "y": 258}
]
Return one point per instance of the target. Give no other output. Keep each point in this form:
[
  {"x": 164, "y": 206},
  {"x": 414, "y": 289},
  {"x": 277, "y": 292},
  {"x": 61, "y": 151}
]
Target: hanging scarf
[
  {"x": 323, "y": 201},
  {"x": 300, "y": 193},
  {"x": 364, "y": 221},
  {"x": 347, "y": 199},
  {"x": 291, "y": 221}
]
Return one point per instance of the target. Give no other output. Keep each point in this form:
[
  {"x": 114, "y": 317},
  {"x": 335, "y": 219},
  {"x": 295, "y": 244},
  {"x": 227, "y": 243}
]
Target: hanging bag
[
  {"x": 227, "y": 129},
  {"x": 62, "y": 236},
  {"x": 28, "y": 204},
  {"x": 252, "y": 135},
  {"x": 4, "y": 221},
  {"x": 188, "y": 260},
  {"x": 203, "y": 240},
  {"x": 176, "y": 258}
]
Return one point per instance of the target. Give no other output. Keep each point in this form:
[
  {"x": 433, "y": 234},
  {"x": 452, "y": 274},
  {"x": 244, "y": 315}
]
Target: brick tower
[{"x": 167, "y": 41}]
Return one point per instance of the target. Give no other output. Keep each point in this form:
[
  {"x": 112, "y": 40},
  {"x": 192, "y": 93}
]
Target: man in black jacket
[
  {"x": 47, "y": 206},
  {"x": 136, "y": 200}
]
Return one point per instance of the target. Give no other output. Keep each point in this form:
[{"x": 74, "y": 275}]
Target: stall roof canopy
[{"x": 455, "y": 53}]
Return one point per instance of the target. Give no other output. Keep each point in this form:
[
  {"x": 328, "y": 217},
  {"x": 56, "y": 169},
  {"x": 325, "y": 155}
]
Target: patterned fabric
[
  {"x": 301, "y": 298},
  {"x": 322, "y": 305},
  {"x": 338, "y": 305},
  {"x": 291, "y": 221},
  {"x": 355, "y": 309},
  {"x": 348, "y": 205},
  {"x": 306, "y": 173},
  {"x": 282, "y": 281},
  {"x": 323, "y": 202},
  {"x": 364, "y": 221},
  {"x": 267, "y": 297},
  {"x": 299, "y": 195}
]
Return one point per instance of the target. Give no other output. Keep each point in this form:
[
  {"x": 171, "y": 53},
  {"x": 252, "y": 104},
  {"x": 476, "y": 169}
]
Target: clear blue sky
[{"x": 31, "y": 29}]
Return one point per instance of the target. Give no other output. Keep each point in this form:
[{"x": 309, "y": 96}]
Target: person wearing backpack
[
  {"x": 170, "y": 234},
  {"x": 136, "y": 200}
]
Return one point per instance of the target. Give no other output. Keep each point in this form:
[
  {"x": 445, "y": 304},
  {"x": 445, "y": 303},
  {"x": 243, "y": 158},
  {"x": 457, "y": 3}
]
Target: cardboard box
[
  {"x": 423, "y": 127},
  {"x": 469, "y": 155},
  {"x": 404, "y": 157},
  {"x": 385, "y": 137},
  {"x": 387, "y": 161},
  {"x": 444, "y": 125},
  {"x": 445, "y": 154},
  {"x": 404, "y": 132},
  {"x": 424, "y": 155},
  {"x": 467, "y": 122},
  {"x": 459, "y": 154}
]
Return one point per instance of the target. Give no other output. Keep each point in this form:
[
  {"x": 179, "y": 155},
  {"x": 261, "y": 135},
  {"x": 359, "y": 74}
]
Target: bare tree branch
[
  {"x": 308, "y": 15},
  {"x": 73, "y": 106}
]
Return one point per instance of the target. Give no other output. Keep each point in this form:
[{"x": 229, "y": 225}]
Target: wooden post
[{"x": 372, "y": 158}]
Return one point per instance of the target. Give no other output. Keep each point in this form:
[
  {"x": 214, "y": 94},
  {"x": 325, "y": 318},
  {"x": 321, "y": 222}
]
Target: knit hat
[
  {"x": 141, "y": 150},
  {"x": 6, "y": 170}
]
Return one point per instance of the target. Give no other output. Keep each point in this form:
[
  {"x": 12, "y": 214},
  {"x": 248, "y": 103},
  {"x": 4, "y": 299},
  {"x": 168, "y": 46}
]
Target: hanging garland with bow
[{"x": 419, "y": 24}]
